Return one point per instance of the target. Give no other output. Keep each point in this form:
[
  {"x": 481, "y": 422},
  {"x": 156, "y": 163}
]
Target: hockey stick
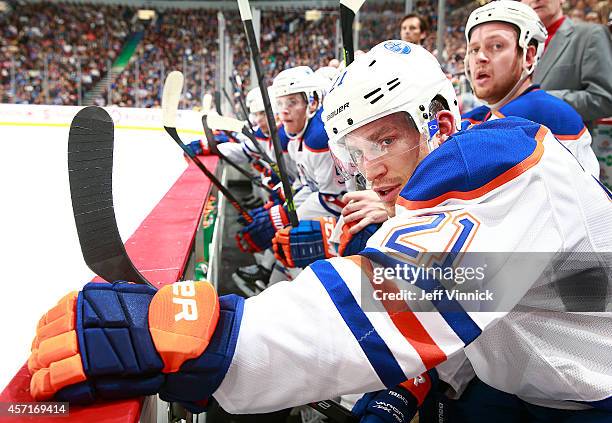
[
  {"x": 212, "y": 144},
  {"x": 232, "y": 102},
  {"x": 90, "y": 172},
  {"x": 223, "y": 123},
  {"x": 170, "y": 100},
  {"x": 243, "y": 107},
  {"x": 348, "y": 10},
  {"x": 247, "y": 20}
]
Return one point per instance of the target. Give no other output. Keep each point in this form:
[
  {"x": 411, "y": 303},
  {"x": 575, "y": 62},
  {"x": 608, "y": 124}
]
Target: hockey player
[
  {"x": 505, "y": 40},
  {"x": 298, "y": 93},
  {"x": 347, "y": 324}
]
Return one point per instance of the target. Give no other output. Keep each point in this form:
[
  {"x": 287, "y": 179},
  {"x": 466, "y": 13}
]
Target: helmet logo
[
  {"x": 338, "y": 110},
  {"x": 396, "y": 46}
]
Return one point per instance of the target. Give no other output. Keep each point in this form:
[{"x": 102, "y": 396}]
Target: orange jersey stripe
[
  {"x": 404, "y": 319},
  {"x": 505, "y": 177}
]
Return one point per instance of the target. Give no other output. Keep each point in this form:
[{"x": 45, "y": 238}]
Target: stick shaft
[
  {"x": 212, "y": 143},
  {"x": 245, "y": 112},
  {"x": 213, "y": 179},
  {"x": 278, "y": 152}
]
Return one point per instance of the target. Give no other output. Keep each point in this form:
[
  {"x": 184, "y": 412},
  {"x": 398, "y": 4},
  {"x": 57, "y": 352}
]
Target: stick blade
[
  {"x": 207, "y": 102},
  {"x": 218, "y": 122},
  {"x": 353, "y": 5},
  {"x": 90, "y": 172},
  {"x": 245, "y": 10},
  {"x": 171, "y": 97}
]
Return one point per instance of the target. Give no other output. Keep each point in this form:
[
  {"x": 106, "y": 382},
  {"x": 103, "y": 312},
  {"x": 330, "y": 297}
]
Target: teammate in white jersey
[
  {"x": 297, "y": 94},
  {"x": 347, "y": 325}
]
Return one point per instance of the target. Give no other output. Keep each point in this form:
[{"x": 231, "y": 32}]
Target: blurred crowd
[{"x": 46, "y": 48}]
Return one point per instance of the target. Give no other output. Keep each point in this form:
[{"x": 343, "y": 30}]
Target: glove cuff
[
  {"x": 199, "y": 378},
  {"x": 278, "y": 217}
]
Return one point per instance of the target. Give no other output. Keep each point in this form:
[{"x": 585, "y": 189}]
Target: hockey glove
[
  {"x": 199, "y": 148},
  {"x": 309, "y": 242},
  {"x": 353, "y": 244},
  {"x": 257, "y": 211},
  {"x": 397, "y": 405},
  {"x": 122, "y": 340},
  {"x": 257, "y": 235}
]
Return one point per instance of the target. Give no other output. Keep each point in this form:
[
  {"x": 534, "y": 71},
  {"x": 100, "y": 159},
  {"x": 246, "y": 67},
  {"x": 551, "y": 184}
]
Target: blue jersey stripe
[
  {"x": 450, "y": 310},
  {"x": 380, "y": 357}
]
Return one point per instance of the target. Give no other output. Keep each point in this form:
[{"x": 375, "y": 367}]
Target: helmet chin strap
[
  {"x": 511, "y": 93},
  {"x": 301, "y": 132},
  {"x": 524, "y": 75},
  {"x": 309, "y": 115}
]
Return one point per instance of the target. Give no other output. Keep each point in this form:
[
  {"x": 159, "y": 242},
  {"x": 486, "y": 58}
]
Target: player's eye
[{"x": 385, "y": 143}]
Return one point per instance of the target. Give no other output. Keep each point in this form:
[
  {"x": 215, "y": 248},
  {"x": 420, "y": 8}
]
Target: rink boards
[{"x": 158, "y": 202}]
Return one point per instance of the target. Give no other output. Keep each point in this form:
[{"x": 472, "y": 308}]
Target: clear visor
[
  {"x": 354, "y": 155},
  {"x": 289, "y": 103}
]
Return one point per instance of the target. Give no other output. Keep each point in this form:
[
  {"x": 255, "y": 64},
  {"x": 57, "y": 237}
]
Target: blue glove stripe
[
  {"x": 96, "y": 340},
  {"x": 360, "y": 239},
  {"x": 119, "y": 336}
]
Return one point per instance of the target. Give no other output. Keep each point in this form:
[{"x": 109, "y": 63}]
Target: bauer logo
[
  {"x": 338, "y": 110},
  {"x": 184, "y": 295},
  {"x": 400, "y": 47}
]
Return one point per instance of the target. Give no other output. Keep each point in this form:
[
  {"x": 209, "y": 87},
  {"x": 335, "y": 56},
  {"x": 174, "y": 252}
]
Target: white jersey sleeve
[
  {"x": 236, "y": 152},
  {"x": 346, "y": 326}
]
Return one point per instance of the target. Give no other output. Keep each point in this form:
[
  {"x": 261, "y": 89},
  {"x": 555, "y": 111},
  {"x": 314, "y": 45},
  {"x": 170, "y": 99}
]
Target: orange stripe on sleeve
[
  {"x": 571, "y": 137},
  {"x": 404, "y": 319},
  {"x": 505, "y": 177}
]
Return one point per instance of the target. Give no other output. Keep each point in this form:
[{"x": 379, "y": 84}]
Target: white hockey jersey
[
  {"x": 557, "y": 115},
  {"x": 505, "y": 192},
  {"x": 320, "y": 185}
]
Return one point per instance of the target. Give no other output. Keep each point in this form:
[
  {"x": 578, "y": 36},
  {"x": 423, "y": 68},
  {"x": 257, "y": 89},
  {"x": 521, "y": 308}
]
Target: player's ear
[
  {"x": 446, "y": 124},
  {"x": 313, "y": 106},
  {"x": 530, "y": 57}
]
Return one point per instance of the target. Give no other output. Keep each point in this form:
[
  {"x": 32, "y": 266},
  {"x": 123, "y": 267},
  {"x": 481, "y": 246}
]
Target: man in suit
[{"x": 577, "y": 62}]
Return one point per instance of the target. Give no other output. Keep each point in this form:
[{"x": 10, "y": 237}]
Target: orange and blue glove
[
  {"x": 122, "y": 340},
  {"x": 309, "y": 242},
  {"x": 350, "y": 244},
  {"x": 397, "y": 405},
  {"x": 267, "y": 220}
]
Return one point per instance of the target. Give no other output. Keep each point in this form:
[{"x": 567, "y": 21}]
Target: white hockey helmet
[
  {"x": 327, "y": 75},
  {"x": 394, "y": 76},
  {"x": 254, "y": 101},
  {"x": 299, "y": 79},
  {"x": 523, "y": 17}
]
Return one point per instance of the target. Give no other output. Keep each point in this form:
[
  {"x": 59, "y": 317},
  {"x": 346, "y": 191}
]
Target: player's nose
[{"x": 374, "y": 169}]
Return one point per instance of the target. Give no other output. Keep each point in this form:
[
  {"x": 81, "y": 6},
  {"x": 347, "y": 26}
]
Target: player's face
[
  {"x": 410, "y": 31},
  {"x": 262, "y": 121},
  {"x": 386, "y": 152},
  {"x": 292, "y": 111},
  {"x": 494, "y": 59},
  {"x": 548, "y": 10}
]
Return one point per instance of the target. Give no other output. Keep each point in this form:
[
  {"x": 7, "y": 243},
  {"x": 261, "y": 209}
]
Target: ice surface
[{"x": 40, "y": 256}]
